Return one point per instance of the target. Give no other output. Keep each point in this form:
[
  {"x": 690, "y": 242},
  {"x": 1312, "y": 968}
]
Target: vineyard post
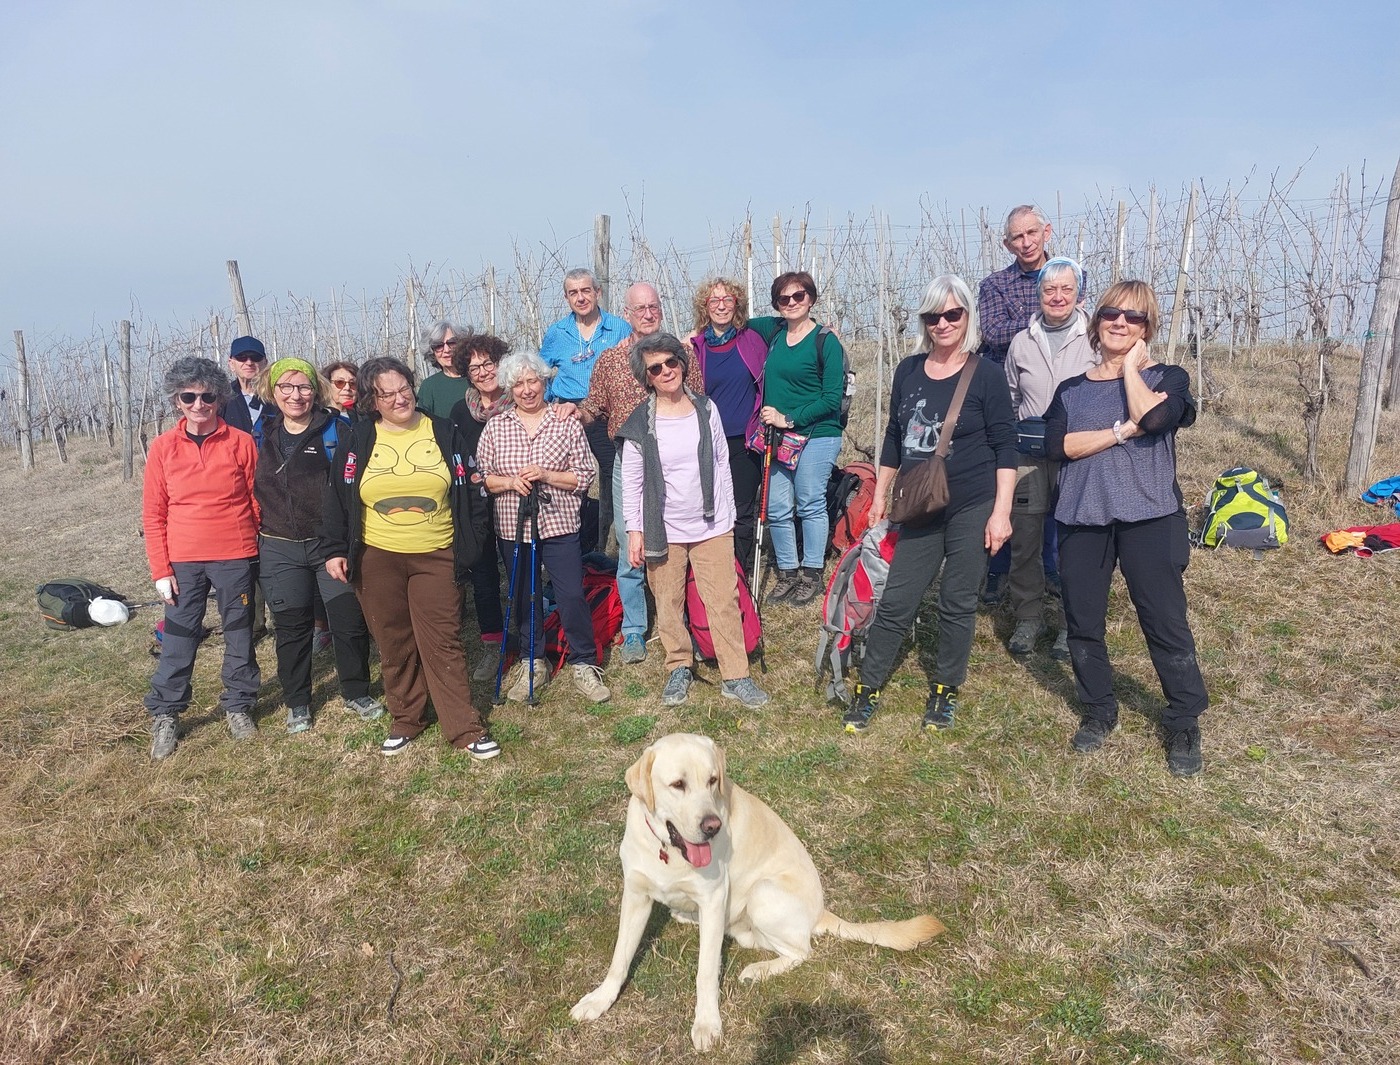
[
  {"x": 777, "y": 244},
  {"x": 22, "y": 419},
  {"x": 602, "y": 257},
  {"x": 1151, "y": 263},
  {"x": 491, "y": 299},
  {"x": 1183, "y": 270},
  {"x": 315, "y": 352},
  {"x": 240, "y": 304},
  {"x": 128, "y": 427},
  {"x": 109, "y": 387},
  {"x": 412, "y": 291},
  {"x": 748, "y": 259},
  {"x": 1119, "y": 244}
]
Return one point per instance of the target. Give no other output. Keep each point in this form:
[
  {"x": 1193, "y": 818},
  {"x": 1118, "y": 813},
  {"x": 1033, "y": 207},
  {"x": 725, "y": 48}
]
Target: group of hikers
[{"x": 1029, "y": 452}]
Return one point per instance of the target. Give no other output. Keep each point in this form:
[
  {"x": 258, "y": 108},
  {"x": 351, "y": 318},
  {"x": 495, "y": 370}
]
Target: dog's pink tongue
[{"x": 697, "y": 854}]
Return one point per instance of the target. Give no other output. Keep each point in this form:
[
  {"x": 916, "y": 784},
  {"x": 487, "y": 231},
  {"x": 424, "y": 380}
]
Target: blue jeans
[
  {"x": 808, "y": 484},
  {"x": 631, "y": 582}
]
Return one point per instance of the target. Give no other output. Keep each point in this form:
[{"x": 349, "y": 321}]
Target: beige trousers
[{"x": 713, "y": 563}]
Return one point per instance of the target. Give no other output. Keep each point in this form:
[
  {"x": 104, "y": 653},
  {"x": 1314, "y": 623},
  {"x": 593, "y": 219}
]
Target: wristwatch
[{"x": 1118, "y": 431}]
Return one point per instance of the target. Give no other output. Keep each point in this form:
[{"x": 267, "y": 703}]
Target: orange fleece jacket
[{"x": 197, "y": 504}]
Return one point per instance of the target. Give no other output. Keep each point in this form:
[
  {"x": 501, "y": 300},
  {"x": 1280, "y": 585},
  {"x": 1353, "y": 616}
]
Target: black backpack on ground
[{"x": 63, "y": 604}]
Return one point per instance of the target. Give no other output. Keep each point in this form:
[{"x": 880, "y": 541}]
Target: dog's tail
[{"x": 901, "y": 935}]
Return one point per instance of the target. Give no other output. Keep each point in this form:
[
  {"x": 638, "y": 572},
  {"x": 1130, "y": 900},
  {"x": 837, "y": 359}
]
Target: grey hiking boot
[
  {"x": 809, "y": 586},
  {"x": 783, "y": 587},
  {"x": 164, "y": 736},
  {"x": 1023, "y": 639},
  {"x": 1059, "y": 651},
  {"x": 240, "y": 725},
  {"x": 367, "y": 706},
  {"x": 677, "y": 686},
  {"x": 634, "y": 649},
  {"x": 588, "y": 682},
  {"x": 298, "y": 719},
  {"x": 487, "y": 663},
  {"x": 744, "y": 690}
]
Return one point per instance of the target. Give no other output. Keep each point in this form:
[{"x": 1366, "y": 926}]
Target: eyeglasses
[
  {"x": 481, "y": 367},
  {"x": 290, "y": 389},
  {"x": 344, "y": 384},
  {"x": 208, "y": 398},
  {"x": 406, "y": 392},
  {"x": 793, "y": 298},
  {"x": 1112, "y": 314},
  {"x": 247, "y": 356},
  {"x": 646, "y": 310},
  {"x": 670, "y": 364},
  {"x": 441, "y": 345},
  {"x": 952, "y": 317},
  {"x": 721, "y": 301}
]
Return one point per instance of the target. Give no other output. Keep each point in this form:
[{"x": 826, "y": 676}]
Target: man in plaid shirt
[{"x": 1007, "y": 299}]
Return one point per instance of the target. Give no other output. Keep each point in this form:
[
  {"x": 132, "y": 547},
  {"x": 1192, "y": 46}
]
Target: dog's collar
[{"x": 663, "y": 854}]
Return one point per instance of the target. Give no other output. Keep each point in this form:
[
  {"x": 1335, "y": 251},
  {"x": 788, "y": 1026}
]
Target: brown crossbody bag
[{"x": 920, "y": 493}]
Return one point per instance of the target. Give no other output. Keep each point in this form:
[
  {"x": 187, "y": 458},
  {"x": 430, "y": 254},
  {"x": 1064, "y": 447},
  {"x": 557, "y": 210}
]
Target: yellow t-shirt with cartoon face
[{"x": 404, "y": 492}]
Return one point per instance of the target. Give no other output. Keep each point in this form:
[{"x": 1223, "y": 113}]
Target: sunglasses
[
  {"x": 670, "y": 364},
  {"x": 793, "y": 298},
  {"x": 952, "y": 317},
  {"x": 343, "y": 383},
  {"x": 188, "y": 398},
  {"x": 1112, "y": 314},
  {"x": 247, "y": 356}
]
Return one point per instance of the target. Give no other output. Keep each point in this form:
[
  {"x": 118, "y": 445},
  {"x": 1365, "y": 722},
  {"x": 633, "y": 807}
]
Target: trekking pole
[
  {"x": 510, "y": 602},
  {"x": 768, "y": 434},
  {"x": 535, "y": 605}
]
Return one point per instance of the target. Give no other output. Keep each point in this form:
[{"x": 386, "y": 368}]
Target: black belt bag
[{"x": 1030, "y": 437}]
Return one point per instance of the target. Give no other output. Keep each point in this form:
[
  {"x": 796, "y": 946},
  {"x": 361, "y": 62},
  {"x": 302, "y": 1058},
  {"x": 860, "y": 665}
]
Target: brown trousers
[
  {"x": 413, "y": 608},
  {"x": 713, "y": 563}
]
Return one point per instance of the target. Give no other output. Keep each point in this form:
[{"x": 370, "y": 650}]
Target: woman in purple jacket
[{"x": 731, "y": 355}]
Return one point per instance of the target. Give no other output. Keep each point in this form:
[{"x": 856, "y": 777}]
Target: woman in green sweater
[{"x": 802, "y": 384}]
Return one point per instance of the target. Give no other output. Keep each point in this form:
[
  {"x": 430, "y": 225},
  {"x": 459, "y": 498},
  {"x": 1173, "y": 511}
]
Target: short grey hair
[
  {"x": 657, "y": 342},
  {"x": 1055, "y": 268},
  {"x": 440, "y": 330},
  {"x": 936, "y": 295},
  {"x": 1020, "y": 209},
  {"x": 578, "y": 273},
  {"x": 521, "y": 364},
  {"x": 194, "y": 374}
]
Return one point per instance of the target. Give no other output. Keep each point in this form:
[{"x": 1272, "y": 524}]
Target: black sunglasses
[
  {"x": 247, "y": 356},
  {"x": 188, "y": 398},
  {"x": 670, "y": 364},
  {"x": 952, "y": 317},
  {"x": 1112, "y": 314},
  {"x": 796, "y": 297}
]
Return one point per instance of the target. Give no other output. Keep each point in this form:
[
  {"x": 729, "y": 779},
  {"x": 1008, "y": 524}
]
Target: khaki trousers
[
  {"x": 713, "y": 563},
  {"x": 1035, "y": 485}
]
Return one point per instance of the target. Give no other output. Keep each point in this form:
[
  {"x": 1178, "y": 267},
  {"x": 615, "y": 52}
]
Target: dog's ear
[
  {"x": 720, "y": 770},
  {"x": 639, "y": 779}
]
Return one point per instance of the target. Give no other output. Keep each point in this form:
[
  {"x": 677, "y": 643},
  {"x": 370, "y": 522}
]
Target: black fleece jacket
[{"x": 291, "y": 491}]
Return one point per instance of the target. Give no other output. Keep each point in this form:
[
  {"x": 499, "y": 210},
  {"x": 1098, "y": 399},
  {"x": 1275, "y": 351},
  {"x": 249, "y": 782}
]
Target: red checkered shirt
[
  {"x": 559, "y": 444},
  {"x": 613, "y": 389}
]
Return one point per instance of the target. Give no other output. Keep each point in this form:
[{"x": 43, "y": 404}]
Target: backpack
[
  {"x": 63, "y": 604},
  {"x": 330, "y": 435},
  {"x": 604, "y": 606},
  {"x": 1243, "y": 511},
  {"x": 848, "y": 376},
  {"x": 852, "y": 595},
  {"x": 849, "y": 495},
  {"x": 697, "y": 619}
]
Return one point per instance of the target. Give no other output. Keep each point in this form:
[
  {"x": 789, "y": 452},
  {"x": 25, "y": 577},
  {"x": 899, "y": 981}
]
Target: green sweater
[
  {"x": 791, "y": 383},
  {"x": 438, "y": 394}
]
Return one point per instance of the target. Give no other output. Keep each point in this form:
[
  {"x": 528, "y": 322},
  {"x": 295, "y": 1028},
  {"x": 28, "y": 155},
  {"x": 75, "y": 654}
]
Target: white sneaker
[
  {"x": 588, "y": 680},
  {"x": 519, "y": 691}
]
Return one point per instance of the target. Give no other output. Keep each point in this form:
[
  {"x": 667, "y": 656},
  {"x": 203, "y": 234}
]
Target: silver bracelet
[{"x": 1118, "y": 431}]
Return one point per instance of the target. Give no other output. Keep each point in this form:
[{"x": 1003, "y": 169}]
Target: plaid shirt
[
  {"x": 506, "y": 448},
  {"x": 614, "y": 390},
  {"x": 1005, "y": 302}
]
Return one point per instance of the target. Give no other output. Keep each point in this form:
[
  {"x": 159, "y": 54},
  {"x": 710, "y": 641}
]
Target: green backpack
[
  {"x": 1243, "y": 511},
  {"x": 63, "y": 604}
]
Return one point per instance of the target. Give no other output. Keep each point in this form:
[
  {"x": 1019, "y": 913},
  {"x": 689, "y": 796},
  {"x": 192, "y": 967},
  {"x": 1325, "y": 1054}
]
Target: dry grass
[{"x": 254, "y": 904}]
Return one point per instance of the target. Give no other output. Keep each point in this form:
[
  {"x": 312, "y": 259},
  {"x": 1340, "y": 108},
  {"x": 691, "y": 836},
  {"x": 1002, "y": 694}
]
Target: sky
[{"x": 339, "y": 144}]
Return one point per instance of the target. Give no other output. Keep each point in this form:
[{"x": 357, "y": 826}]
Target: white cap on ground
[{"x": 108, "y": 612}]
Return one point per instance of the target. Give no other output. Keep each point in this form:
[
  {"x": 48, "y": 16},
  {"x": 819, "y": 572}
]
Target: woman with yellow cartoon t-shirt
[{"x": 404, "y": 521}]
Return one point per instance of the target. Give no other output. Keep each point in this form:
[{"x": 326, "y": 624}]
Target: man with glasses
[
  {"x": 613, "y": 395},
  {"x": 572, "y": 347},
  {"x": 440, "y": 392},
  {"x": 247, "y": 358}
]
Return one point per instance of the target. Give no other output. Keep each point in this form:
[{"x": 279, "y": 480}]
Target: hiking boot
[
  {"x": 677, "y": 686},
  {"x": 991, "y": 591},
  {"x": 240, "y": 725},
  {"x": 394, "y": 745},
  {"x": 519, "y": 690},
  {"x": 298, "y": 719},
  {"x": 634, "y": 649},
  {"x": 487, "y": 663},
  {"x": 164, "y": 734},
  {"x": 588, "y": 682},
  {"x": 321, "y": 642},
  {"x": 1184, "y": 752},
  {"x": 1059, "y": 650},
  {"x": 483, "y": 747},
  {"x": 1023, "y": 639},
  {"x": 783, "y": 587},
  {"x": 864, "y": 703},
  {"x": 1092, "y": 732},
  {"x": 366, "y": 706},
  {"x": 938, "y": 711},
  {"x": 744, "y": 690},
  {"x": 809, "y": 585}
]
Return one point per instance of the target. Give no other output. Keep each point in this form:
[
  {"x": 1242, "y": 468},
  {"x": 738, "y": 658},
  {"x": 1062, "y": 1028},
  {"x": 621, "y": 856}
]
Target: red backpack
[
  {"x": 605, "y": 606},
  {"x": 698, "y": 620},
  {"x": 850, "y": 494},
  {"x": 852, "y": 596}
]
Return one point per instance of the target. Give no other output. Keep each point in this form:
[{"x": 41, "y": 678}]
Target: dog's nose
[{"x": 710, "y": 825}]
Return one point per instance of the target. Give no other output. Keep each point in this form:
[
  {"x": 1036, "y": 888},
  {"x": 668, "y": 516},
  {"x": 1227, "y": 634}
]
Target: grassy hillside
[{"x": 304, "y": 899}]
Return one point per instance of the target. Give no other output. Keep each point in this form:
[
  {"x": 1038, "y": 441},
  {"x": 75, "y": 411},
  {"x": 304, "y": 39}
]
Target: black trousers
[
  {"x": 1153, "y": 556},
  {"x": 594, "y": 524},
  {"x": 746, "y": 469}
]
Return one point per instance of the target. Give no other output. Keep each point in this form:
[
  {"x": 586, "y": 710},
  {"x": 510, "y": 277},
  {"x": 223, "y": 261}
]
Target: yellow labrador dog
[{"x": 718, "y": 856}]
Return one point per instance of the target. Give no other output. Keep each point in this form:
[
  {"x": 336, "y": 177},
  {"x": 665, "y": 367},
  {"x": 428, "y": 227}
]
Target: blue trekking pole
[
  {"x": 510, "y": 602},
  {"x": 534, "y": 504}
]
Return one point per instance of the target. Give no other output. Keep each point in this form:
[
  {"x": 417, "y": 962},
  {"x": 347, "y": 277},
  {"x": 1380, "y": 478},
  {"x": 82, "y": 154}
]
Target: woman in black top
[{"x": 977, "y": 520}]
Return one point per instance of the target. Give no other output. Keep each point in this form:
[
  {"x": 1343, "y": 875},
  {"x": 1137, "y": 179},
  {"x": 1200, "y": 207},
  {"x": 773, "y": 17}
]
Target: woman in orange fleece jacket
[{"x": 201, "y": 528}]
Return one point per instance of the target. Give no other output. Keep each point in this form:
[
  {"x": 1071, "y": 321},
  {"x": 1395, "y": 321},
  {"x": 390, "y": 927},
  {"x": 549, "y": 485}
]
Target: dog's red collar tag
[{"x": 663, "y": 855}]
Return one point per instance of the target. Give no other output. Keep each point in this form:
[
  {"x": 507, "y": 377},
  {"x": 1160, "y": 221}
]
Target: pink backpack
[
  {"x": 852, "y": 595},
  {"x": 698, "y": 620}
]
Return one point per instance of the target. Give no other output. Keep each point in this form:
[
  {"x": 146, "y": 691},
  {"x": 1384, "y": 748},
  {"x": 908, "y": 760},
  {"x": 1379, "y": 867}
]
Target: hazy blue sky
[{"x": 331, "y": 144}]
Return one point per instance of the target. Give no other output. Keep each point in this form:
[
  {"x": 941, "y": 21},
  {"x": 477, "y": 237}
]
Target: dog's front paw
[
  {"x": 593, "y": 1005},
  {"x": 705, "y": 1034}
]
